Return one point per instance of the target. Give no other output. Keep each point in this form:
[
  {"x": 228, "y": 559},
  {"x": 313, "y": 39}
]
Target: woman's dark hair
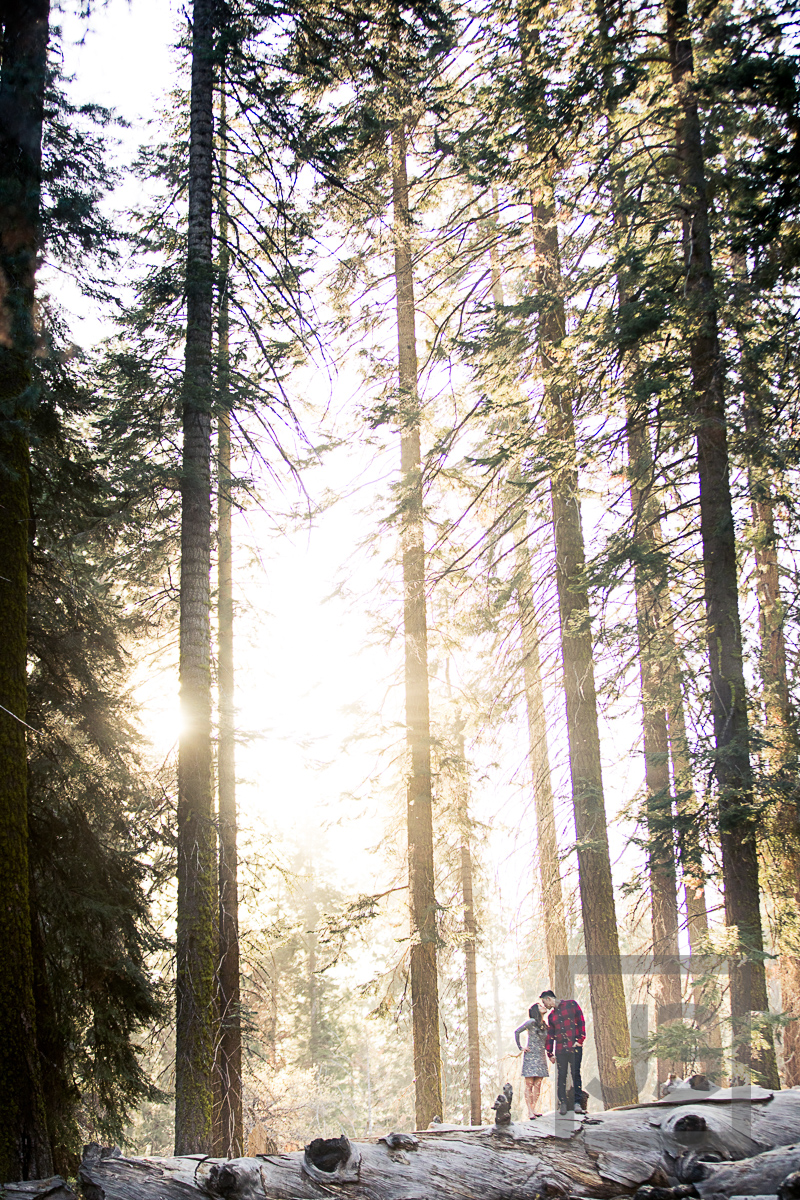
[{"x": 535, "y": 1014}]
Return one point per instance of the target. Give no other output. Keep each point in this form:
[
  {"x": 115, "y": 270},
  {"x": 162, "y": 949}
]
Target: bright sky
[{"x": 307, "y": 667}]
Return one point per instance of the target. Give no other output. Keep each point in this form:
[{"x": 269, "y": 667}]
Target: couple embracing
[{"x": 560, "y": 1038}]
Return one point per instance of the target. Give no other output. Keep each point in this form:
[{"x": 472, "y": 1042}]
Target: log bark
[{"x": 605, "y": 1156}]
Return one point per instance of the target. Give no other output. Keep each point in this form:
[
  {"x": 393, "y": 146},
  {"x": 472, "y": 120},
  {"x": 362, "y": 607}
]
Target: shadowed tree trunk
[
  {"x": 728, "y": 695},
  {"x": 228, "y": 1135},
  {"x": 422, "y": 898},
  {"x": 24, "y": 1146},
  {"x": 196, "y": 951},
  {"x": 664, "y": 727}
]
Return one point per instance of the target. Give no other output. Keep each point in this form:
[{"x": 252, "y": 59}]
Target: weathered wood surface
[
  {"x": 758, "y": 1176},
  {"x": 603, "y": 1155},
  {"x": 54, "y": 1188}
]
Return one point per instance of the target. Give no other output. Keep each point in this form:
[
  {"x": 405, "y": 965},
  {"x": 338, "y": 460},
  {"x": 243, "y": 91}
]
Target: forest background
[{"x": 318, "y": 647}]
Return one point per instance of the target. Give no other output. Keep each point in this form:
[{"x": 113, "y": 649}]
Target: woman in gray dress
[{"x": 534, "y": 1059}]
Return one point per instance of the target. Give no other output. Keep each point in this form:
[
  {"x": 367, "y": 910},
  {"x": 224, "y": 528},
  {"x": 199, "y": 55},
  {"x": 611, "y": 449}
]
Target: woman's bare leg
[
  {"x": 530, "y": 1099},
  {"x": 536, "y": 1091}
]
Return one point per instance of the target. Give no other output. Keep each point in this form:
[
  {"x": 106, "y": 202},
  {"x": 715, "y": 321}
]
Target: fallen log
[
  {"x": 759, "y": 1176},
  {"x": 606, "y": 1155}
]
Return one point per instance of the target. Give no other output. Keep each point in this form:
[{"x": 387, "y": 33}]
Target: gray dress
[{"x": 534, "y": 1060}]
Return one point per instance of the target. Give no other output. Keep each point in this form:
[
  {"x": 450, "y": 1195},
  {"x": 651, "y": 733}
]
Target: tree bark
[
  {"x": 422, "y": 897},
  {"x": 782, "y": 843},
  {"x": 24, "y": 1145},
  {"x": 610, "y": 1018},
  {"x": 196, "y": 951},
  {"x": 611, "y": 1032},
  {"x": 555, "y": 929},
  {"x": 470, "y": 946},
  {"x": 551, "y": 1157},
  {"x": 229, "y": 1129},
  {"x": 660, "y": 823},
  {"x": 728, "y": 695}
]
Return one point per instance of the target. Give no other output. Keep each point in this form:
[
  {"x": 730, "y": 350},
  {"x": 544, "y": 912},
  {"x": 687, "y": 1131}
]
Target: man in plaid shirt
[{"x": 566, "y": 1033}]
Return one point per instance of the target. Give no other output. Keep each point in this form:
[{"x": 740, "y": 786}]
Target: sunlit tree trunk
[
  {"x": 650, "y": 595},
  {"x": 470, "y": 944},
  {"x": 609, "y": 1012},
  {"x": 552, "y": 902},
  {"x": 422, "y": 898},
  {"x": 782, "y": 843},
  {"x": 24, "y": 1145},
  {"x": 229, "y": 1132},
  {"x": 196, "y": 949},
  {"x": 611, "y": 1032},
  {"x": 555, "y": 929},
  {"x": 728, "y": 695}
]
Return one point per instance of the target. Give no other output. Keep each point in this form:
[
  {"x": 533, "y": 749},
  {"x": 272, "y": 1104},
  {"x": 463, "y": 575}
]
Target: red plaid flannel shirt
[{"x": 565, "y": 1026}]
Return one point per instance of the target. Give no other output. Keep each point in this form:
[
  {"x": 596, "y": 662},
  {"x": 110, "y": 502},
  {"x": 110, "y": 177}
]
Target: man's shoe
[
  {"x": 562, "y": 1108},
  {"x": 581, "y": 1111}
]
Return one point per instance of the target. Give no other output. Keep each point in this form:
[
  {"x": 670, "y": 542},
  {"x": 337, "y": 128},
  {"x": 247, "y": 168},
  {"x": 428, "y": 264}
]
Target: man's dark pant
[{"x": 571, "y": 1059}]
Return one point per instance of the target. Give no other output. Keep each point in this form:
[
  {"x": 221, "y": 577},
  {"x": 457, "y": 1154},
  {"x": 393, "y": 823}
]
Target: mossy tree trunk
[
  {"x": 228, "y": 1135},
  {"x": 422, "y": 896},
  {"x": 724, "y": 638},
  {"x": 196, "y": 953},
  {"x": 24, "y": 1145}
]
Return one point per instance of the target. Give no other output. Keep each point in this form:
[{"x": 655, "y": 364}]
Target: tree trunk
[
  {"x": 470, "y": 944},
  {"x": 24, "y": 1146},
  {"x": 690, "y": 855},
  {"x": 422, "y": 898},
  {"x": 196, "y": 951},
  {"x": 611, "y": 1032},
  {"x": 552, "y": 1157},
  {"x": 728, "y": 695},
  {"x": 660, "y": 823},
  {"x": 555, "y": 929},
  {"x": 229, "y": 1131},
  {"x": 782, "y": 844}
]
